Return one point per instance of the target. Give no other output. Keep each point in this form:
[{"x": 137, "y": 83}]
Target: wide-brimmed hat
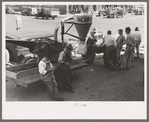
[
  {"x": 128, "y": 29},
  {"x": 136, "y": 29}
]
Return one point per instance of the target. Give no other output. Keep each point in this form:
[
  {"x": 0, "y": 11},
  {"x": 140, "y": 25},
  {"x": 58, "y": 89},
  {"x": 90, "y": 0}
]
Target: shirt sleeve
[
  {"x": 61, "y": 56},
  {"x": 42, "y": 67}
]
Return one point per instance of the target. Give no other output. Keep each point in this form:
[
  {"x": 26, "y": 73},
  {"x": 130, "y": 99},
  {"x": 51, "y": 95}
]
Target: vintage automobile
[
  {"x": 139, "y": 11},
  {"x": 45, "y": 14},
  {"x": 113, "y": 13},
  {"x": 10, "y": 10},
  {"x": 29, "y": 11}
]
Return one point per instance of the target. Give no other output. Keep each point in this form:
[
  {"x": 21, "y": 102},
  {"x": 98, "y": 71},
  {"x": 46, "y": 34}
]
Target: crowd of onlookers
[{"x": 113, "y": 47}]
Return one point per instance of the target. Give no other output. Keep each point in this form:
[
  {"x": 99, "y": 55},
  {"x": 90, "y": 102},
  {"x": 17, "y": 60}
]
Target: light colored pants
[
  {"x": 118, "y": 54},
  {"x": 126, "y": 62},
  {"x": 18, "y": 23},
  {"x": 137, "y": 47}
]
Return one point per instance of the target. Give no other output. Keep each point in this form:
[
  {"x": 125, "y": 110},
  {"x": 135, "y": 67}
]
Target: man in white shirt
[
  {"x": 127, "y": 57},
  {"x": 18, "y": 20},
  {"x": 47, "y": 76},
  {"x": 111, "y": 50},
  {"x": 137, "y": 37}
]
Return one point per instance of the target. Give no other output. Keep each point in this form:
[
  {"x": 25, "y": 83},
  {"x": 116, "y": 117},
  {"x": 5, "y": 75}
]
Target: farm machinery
[{"x": 25, "y": 49}]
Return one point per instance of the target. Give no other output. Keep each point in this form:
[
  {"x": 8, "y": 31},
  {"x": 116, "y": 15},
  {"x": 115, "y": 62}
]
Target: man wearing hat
[
  {"x": 120, "y": 42},
  {"x": 46, "y": 72},
  {"x": 137, "y": 37},
  {"x": 65, "y": 57},
  {"x": 130, "y": 45},
  {"x": 18, "y": 20}
]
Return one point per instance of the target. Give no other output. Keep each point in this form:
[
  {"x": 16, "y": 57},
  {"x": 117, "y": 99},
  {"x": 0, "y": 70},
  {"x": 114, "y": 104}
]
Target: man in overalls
[
  {"x": 130, "y": 45},
  {"x": 65, "y": 58},
  {"x": 47, "y": 76}
]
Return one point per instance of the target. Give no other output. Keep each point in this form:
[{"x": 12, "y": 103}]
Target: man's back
[
  {"x": 108, "y": 40},
  {"x": 137, "y": 36}
]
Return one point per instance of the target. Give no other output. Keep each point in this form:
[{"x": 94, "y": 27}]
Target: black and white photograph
[{"x": 66, "y": 57}]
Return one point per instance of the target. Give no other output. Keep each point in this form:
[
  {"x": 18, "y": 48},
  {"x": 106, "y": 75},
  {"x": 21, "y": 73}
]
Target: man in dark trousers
[
  {"x": 64, "y": 60},
  {"x": 120, "y": 42},
  {"x": 111, "y": 50},
  {"x": 130, "y": 45}
]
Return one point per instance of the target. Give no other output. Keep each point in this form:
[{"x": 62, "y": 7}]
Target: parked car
[
  {"x": 29, "y": 11},
  {"x": 9, "y": 11},
  {"x": 139, "y": 11},
  {"x": 113, "y": 13},
  {"x": 45, "y": 14}
]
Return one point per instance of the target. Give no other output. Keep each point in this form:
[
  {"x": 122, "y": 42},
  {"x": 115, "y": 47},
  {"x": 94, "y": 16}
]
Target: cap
[
  {"x": 127, "y": 29},
  {"x": 94, "y": 29},
  {"x": 136, "y": 29},
  {"x": 69, "y": 46}
]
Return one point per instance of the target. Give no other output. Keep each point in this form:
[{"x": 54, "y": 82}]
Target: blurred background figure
[
  {"x": 18, "y": 20},
  {"x": 137, "y": 37}
]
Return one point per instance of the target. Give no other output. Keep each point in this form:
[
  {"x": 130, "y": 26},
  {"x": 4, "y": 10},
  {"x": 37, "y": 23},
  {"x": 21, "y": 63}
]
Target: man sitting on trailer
[
  {"x": 64, "y": 59},
  {"x": 47, "y": 76}
]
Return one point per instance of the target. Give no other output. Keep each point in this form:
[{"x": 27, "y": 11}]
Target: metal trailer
[{"x": 27, "y": 72}]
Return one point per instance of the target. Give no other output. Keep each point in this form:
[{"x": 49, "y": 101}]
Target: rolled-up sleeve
[
  {"x": 61, "y": 57},
  {"x": 42, "y": 67}
]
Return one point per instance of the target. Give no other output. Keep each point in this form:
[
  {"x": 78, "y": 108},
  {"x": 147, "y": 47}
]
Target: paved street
[{"x": 92, "y": 83}]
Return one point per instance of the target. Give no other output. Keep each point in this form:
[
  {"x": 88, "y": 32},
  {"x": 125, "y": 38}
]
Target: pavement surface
[{"x": 91, "y": 83}]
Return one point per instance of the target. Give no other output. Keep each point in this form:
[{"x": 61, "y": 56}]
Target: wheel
[
  {"x": 27, "y": 60},
  {"x": 89, "y": 59},
  {"x": 47, "y": 17},
  {"x": 36, "y": 16},
  {"x": 53, "y": 17},
  {"x": 42, "y": 17}
]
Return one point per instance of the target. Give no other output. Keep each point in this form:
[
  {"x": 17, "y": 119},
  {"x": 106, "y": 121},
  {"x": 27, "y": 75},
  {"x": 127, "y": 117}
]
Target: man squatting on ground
[
  {"x": 18, "y": 20},
  {"x": 130, "y": 45},
  {"x": 47, "y": 76}
]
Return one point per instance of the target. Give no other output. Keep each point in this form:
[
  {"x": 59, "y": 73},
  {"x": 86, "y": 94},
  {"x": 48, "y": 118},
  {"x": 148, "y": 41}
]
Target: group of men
[
  {"x": 49, "y": 73},
  {"x": 113, "y": 47},
  {"x": 112, "y": 54}
]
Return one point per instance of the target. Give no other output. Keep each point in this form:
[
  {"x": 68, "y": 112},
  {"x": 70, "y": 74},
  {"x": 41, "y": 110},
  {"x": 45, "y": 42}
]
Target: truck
[{"x": 45, "y": 14}]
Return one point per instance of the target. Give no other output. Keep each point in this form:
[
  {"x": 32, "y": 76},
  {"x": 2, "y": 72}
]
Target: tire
[
  {"x": 53, "y": 17},
  {"x": 47, "y": 17},
  {"x": 36, "y": 16},
  {"x": 42, "y": 17},
  {"x": 27, "y": 60},
  {"x": 89, "y": 59}
]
